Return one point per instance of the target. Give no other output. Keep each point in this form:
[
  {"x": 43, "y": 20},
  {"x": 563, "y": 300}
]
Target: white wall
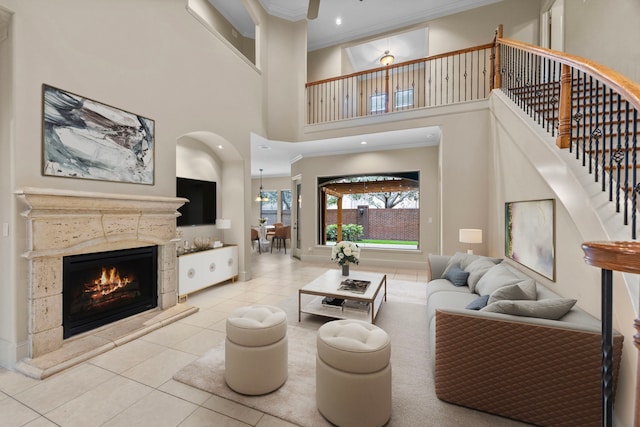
[
  {"x": 557, "y": 25},
  {"x": 461, "y": 200},
  {"x": 285, "y": 78},
  {"x": 458, "y": 31},
  {"x": 8, "y": 293},
  {"x": 520, "y": 21},
  {"x": 148, "y": 57},
  {"x": 605, "y": 33},
  {"x": 424, "y": 160}
]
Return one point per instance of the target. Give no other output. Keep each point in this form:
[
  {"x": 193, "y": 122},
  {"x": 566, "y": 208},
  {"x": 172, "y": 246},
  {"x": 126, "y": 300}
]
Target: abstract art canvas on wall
[
  {"x": 530, "y": 235},
  {"x": 83, "y": 138}
]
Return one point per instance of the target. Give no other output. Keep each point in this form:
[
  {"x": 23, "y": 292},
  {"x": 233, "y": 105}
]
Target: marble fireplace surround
[{"x": 65, "y": 222}]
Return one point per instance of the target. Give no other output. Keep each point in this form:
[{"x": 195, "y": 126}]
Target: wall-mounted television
[{"x": 201, "y": 209}]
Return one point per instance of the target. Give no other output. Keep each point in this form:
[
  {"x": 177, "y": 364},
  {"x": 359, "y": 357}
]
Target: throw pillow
[
  {"x": 553, "y": 308},
  {"x": 478, "y": 303},
  {"x": 476, "y": 270},
  {"x": 460, "y": 259},
  {"x": 497, "y": 277},
  {"x": 525, "y": 290},
  {"x": 454, "y": 260},
  {"x": 457, "y": 276}
]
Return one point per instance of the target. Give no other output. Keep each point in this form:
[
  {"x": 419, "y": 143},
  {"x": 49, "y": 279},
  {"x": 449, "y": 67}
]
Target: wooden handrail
[
  {"x": 626, "y": 87},
  {"x": 401, "y": 64}
]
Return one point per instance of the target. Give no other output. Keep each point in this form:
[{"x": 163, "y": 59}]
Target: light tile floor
[{"x": 132, "y": 385}]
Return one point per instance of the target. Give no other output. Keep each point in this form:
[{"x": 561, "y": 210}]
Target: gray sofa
[{"x": 505, "y": 344}]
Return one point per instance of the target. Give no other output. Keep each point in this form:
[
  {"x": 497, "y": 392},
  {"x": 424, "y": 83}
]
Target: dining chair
[
  {"x": 255, "y": 236},
  {"x": 281, "y": 235},
  {"x": 272, "y": 231}
]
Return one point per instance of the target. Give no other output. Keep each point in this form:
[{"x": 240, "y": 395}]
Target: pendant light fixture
[
  {"x": 387, "y": 59},
  {"x": 261, "y": 197}
]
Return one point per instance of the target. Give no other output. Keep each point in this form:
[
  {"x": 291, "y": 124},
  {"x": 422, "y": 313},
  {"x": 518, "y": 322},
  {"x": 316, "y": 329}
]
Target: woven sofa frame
[{"x": 537, "y": 374}]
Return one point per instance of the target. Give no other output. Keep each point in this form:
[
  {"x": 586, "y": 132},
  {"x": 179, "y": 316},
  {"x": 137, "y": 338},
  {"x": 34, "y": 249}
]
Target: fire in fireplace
[{"x": 103, "y": 287}]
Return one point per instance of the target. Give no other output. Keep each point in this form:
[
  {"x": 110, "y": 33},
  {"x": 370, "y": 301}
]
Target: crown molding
[{"x": 285, "y": 10}]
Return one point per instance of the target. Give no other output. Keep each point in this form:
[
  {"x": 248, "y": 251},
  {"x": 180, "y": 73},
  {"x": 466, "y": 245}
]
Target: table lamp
[
  {"x": 223, "y": 224},
  {"x": 470, "y": 235}
]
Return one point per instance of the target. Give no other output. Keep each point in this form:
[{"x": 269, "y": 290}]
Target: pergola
[{"x": 383, "y": 184}]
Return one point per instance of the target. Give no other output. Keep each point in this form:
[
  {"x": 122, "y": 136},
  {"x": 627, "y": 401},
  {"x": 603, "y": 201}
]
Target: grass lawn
[{"x": 389, "y": 242}]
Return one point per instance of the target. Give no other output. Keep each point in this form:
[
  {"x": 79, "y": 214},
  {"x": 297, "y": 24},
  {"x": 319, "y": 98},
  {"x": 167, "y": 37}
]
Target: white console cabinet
[{"x": 201, "y": 269}]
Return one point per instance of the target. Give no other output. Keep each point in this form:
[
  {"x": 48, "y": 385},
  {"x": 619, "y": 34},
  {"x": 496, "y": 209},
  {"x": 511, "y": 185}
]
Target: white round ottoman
[
  {"x": 256, "y": 349},
  {"x": 353, "y": 373}
]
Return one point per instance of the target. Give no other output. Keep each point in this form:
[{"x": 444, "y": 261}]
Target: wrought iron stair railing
[{"x": 590, "y": 109}]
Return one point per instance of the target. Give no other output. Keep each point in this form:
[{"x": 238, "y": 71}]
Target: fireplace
[
  {"x": 102, "y": 287},
  {"x": 63, "y": 224}
]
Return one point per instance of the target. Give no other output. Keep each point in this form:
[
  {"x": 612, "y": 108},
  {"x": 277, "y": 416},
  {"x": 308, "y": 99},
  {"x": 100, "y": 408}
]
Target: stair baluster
[{"x": 634, "y": 163}]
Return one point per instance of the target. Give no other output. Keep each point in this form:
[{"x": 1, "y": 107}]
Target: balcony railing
[{"x": 449, "y": 78}]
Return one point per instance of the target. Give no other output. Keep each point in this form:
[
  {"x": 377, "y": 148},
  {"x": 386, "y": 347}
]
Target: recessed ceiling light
[
  {"x": 363, "y": 143},
  {"x": 338, "y": 21},
  {"x": 220, "y": 147}
]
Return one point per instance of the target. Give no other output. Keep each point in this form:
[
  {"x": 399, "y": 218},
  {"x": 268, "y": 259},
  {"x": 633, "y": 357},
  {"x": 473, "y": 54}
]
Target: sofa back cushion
[
  {"x": 552, "y": 309},
  {"x": 497, "y": 277},
  {"x": 524, "y": 290},
  {"x": 476, "y": 270}
]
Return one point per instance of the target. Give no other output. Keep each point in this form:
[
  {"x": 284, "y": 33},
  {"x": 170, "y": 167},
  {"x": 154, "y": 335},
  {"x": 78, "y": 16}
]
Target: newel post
[
  {"x": 611, "y": 256},
  {"x": 497, "y": 76},
  {"x": 564, "y": 109}
]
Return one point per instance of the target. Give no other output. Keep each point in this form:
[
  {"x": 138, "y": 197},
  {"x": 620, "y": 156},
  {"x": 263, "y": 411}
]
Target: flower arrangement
[
  {"x": 262, "y": 220},
  {"x": 345, "y": 252}
]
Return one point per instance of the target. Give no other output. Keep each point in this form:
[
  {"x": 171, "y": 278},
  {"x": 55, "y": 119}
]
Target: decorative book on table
[
  {"x": 356, "y": 286},
  {"x": 332, "y": 303}
]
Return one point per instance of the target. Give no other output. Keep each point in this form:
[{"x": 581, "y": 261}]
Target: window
[
  {"x": 378, "y": 103},
  {"x": 285, "y": 207},
  {"x": 381, "y": 210},
  {"x": 404, "y": 98},
  {"x": 269, "y": 208}
]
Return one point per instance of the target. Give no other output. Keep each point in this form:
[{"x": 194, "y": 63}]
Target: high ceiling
[{"x": 359, "y": 19}]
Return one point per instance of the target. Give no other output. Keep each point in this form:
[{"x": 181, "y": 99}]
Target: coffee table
[{"x": 327, "y": 286}]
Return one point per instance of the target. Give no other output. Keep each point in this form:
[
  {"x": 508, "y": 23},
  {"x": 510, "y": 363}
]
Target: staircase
[{"x": 596, "y": 119}]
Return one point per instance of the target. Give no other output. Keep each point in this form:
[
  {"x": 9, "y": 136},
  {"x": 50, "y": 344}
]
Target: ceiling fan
[{"x": 312, "y": 10}]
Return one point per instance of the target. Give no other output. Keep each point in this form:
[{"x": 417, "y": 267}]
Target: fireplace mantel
[{"x": 66, "y": 222}]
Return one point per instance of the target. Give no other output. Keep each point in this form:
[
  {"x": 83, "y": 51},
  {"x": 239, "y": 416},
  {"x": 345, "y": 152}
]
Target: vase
[{"x": 345, "y": 269}]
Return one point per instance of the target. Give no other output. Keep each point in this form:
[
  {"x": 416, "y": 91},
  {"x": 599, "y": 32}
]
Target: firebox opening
[{"x": 102, "y": 287}]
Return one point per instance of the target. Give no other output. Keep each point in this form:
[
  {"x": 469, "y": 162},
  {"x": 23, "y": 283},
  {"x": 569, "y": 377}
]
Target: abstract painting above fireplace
[{"x": 83, "y": 138}]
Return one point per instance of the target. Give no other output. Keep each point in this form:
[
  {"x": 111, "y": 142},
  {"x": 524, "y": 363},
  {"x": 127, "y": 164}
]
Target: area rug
[{"x": 414, "y": 401}]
